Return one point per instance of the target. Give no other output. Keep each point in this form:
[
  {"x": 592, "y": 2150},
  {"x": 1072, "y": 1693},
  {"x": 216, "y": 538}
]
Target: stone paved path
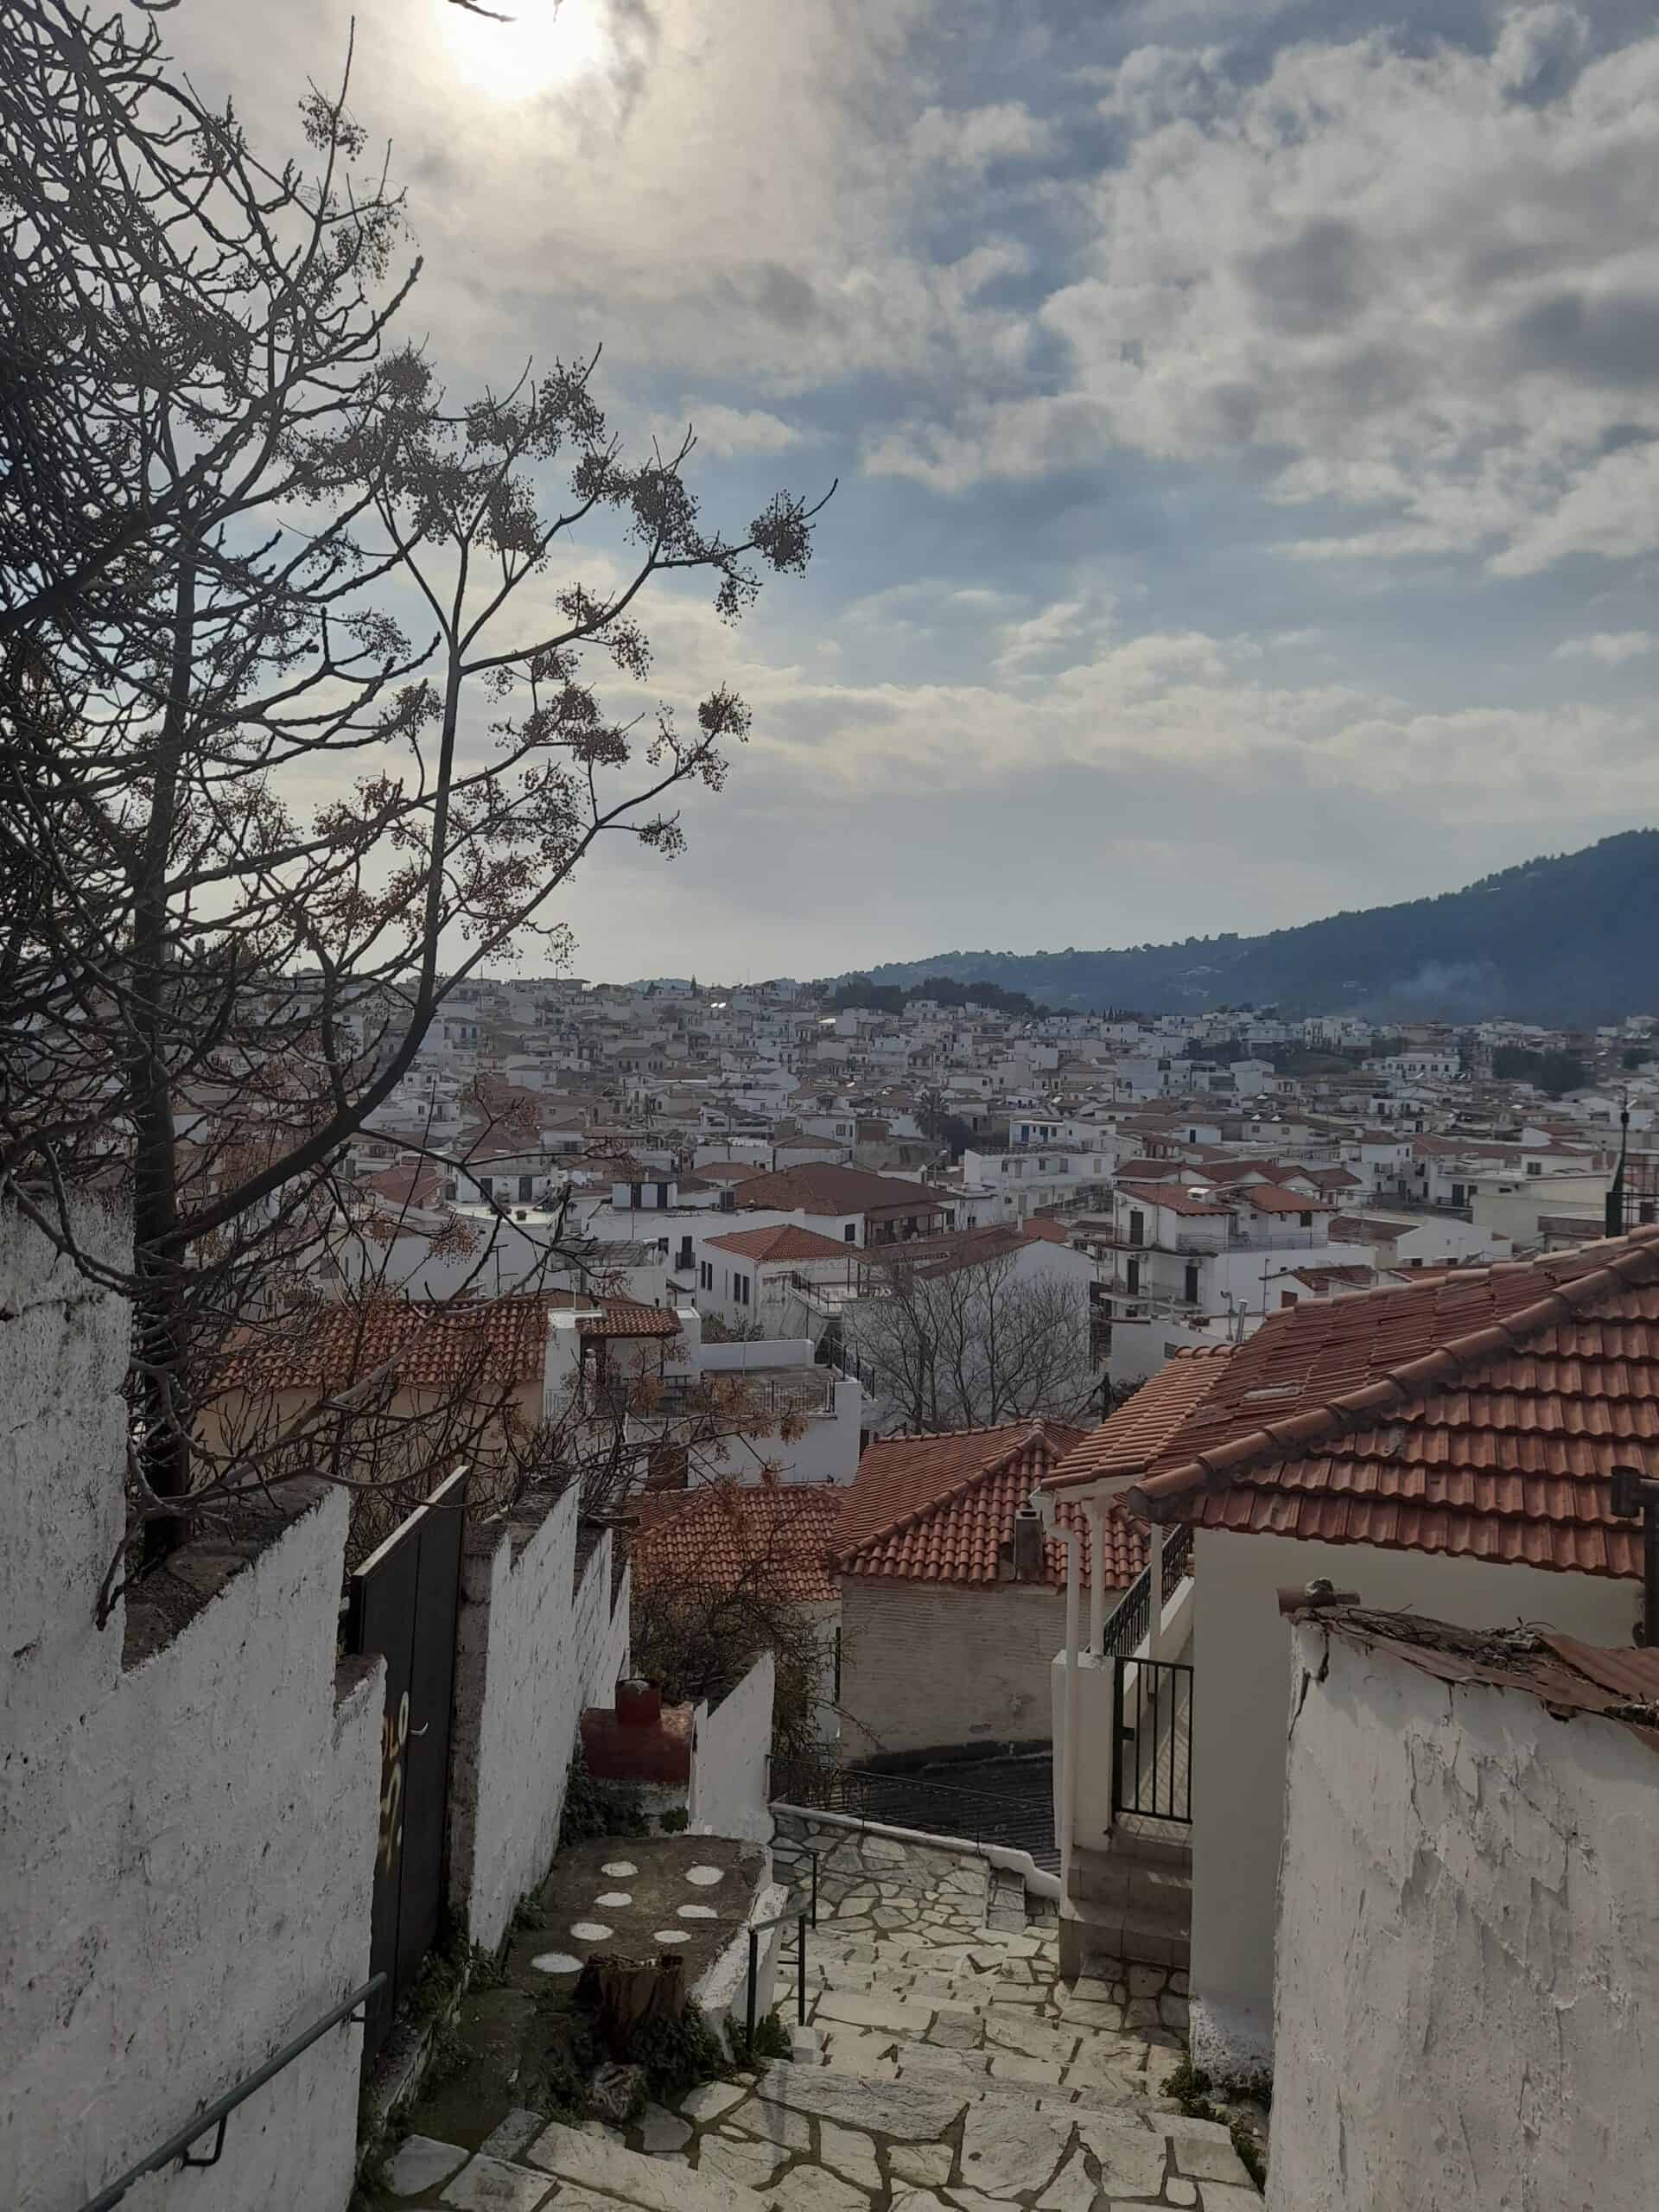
[{"x": 944, "y": 2064}]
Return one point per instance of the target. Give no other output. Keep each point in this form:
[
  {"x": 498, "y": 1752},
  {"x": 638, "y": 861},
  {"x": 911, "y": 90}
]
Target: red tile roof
[
  {"x": 1273, "y": 1198},
  {"x": 1173, "y": 1195},
  {"x": 724, "y": 1170},
  {"x": 1480, "y": 1413},
  {"x": 776, "y": 1540},
  {"x": 823, "y": 1186},
  {"x": 786, "y": 1240},
  {"x": 1129, "y": 1441},
  {"x": 941, "y": 1509},
  {"x": 1039, "y": 1229}
]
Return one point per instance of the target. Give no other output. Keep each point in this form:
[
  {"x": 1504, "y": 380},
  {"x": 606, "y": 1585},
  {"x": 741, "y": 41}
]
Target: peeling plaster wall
[
  {"x": 186, "y": 1843},
  {"x": 730, "y": 1742},
  {"x": 530, "y": 1654},
  {"x": 1241, "y": 1648},
  {"x": 1468, "y": 1984}
]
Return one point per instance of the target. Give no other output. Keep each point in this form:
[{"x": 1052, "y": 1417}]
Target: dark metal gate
[
  {"x": 1152, "y": 1739},
  {"x": 403, "y": 1603}
]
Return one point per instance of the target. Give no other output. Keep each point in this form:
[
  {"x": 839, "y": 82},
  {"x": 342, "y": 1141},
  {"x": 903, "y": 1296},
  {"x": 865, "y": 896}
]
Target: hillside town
[{"x": 1014, "y": 1580}]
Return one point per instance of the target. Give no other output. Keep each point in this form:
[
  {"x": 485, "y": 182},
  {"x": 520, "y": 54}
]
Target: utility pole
[{"x": 1636, "y": 1498}]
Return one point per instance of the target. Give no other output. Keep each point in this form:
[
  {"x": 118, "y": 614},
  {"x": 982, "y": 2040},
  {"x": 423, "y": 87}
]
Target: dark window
[
  {"x": 1307, "y": 1220},
  {"x": 741, "y": 1289},
  {"x": 706, "y": 1274},
  {"x": 850, "y": 1234},
  {"x": 526, "y": 1184},
  {"x": 1132, "y": 1276},
  {"x": 1137, "y": 1226},
  {"x": 662, "y": 1194},
  {"x": 1190, "y": 1285},
  {"x": 486, "y": 1185}
]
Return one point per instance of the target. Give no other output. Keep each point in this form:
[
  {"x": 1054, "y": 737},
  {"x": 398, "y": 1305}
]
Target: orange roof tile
[
  {"x": 941, "y": 1509},
  {"x": 786, "y": 1240},
  {"x": 1173, "y": 1195},
  {"x": 1273, "y": 1198},
  {"x": 1480, "y": 1413},
  {"x": 775, "y": 1538},
  {"x": 1131, "y": 1438},
  {"x": 826, "y": 1187}
]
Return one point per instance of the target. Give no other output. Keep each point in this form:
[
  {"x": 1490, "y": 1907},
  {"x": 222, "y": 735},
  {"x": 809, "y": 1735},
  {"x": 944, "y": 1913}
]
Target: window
[
  {"x": 1289, "y": 1298},
  {"x": 741, "y": 1289},
  {"x": 1190, "y": 1283},
  {"x": 1132, "y": 1277},
  {"x": 662, "y": 1195},
  {"x": 1137, "y": 1228},
  {"x": 1534, "y": 1167},
  {"x": 850, "y": 1234},
  {"x": 705, "y": 1275},
  {"x": 526, "y": 1183},
  {"x": 486, "y": 1184},
  {"x": 1305, "y": 1219}
]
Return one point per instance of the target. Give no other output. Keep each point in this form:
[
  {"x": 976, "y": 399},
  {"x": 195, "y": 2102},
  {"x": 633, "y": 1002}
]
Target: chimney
[{"x": 1027, "y": 1544}]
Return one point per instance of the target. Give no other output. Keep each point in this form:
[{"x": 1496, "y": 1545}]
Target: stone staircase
[
  {"x": 945, "y": 2063},
  {"x": 1132, "y": 1900}
]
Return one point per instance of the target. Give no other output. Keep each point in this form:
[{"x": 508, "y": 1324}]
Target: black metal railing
[
  {"x": 1152, "y": 1739},
  {"x": 804, "y": 1911},
  {"x": 1129, "y": 1623},
  {"x": 923, "y": 1803},
  {"x": 212, "y": 2119}
]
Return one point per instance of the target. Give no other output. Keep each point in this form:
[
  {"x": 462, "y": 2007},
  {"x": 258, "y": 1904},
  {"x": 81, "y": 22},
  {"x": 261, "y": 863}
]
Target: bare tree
[
  {"x": 298, "y": 724},
  {"x": 963, "y": 1342}
]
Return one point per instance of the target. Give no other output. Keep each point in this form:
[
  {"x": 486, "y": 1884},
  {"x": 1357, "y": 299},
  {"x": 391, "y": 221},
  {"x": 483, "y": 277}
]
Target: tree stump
[{"x": 624, "y": 1994}]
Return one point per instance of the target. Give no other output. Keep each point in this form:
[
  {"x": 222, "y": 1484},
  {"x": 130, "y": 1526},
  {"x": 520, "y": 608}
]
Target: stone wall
[
  {"x": 1468, "y": 1981},
  {"x": 925, "y": 1666},
  {"x": 538, "y": 1638},
  {"x": 189, "y": 1802},
  {"x": 730, "y": 1743}
]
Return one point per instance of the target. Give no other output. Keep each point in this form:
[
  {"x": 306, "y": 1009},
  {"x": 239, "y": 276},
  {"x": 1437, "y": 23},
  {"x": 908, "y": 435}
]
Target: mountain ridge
[{"x": 1566, "y": 937}]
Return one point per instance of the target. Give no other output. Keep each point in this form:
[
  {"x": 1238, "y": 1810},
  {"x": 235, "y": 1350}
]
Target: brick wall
[{"x": 926, "y": 1665}]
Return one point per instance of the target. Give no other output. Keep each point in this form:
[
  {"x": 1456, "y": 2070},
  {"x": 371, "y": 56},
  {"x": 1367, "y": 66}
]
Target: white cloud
[
  {"x": 1611, "y": 647},
  {"x": 722, "y": 432},
  {"x": 1411, "y": 289}
]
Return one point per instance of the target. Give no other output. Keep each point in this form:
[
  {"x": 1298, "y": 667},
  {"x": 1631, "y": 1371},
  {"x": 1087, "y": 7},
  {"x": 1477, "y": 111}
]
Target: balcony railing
[{"x": 1129, "y": 1623}]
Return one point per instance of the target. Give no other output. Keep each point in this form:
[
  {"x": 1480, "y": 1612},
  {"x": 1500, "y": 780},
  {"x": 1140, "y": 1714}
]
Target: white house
[{"x": 1446, "y": 1447}]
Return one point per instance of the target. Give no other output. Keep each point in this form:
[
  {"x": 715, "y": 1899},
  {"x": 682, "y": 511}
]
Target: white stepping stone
[
  {"x": 704, "y": 1878},
  {"x": 557, "y": 1962},
  {"x": 671, "y": 1935},
  {"x": 589, "y": 1931},
  {"x": 422, "y": 2162},
  {"x": 619, "y": 1869},
  {"x": 697, "y": 1912},
  {"x": 614, "y": 1900}
]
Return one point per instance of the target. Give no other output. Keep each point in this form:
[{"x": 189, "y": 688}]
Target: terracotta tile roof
[
  {"x": 787, "y": 1240},
  {"x": 1478, "y": 1413},
  {"x": 823, "y": 1186},
  {"x": 729, "y": 1171},
  {"x": 1041, "y": 1231},
  {"x": 940, "y": 1508},
  {"x": 1272, "y": 1197},
  {"x": 488, "y": 1344},
  {"x": 1147, "y": 1171},
  {"x": 778, "y": 1539},
  {"x": 622, "y": 1317},
  {"x": 413, "y": 1185},
  {"x": 1173, "y": 1195},
  {"x": 1127, "y": 1442}
]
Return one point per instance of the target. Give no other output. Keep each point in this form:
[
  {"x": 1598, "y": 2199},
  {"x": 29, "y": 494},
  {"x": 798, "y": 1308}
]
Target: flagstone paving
[{"x": 944, "y": 2064}]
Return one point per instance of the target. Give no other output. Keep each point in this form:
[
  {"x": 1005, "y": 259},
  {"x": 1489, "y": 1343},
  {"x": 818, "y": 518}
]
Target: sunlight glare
[{"x": 547, "y": 44}]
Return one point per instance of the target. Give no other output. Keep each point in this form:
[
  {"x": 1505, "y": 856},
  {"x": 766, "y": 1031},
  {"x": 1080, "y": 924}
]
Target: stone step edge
[{"x": 1167, "y": 2124}]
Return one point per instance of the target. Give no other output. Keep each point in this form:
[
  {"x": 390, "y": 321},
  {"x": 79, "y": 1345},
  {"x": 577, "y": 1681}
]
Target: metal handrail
[
  {"x": 800, "y": 1912},
  {"x": 216, "y": 2115},
  {"x": 1129, "y": 1621},
  {"x": 856, "y": 1792}
]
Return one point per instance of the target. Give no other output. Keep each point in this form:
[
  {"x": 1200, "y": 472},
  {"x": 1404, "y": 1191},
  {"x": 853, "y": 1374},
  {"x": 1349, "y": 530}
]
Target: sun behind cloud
[{"x": 540, "y": 45}]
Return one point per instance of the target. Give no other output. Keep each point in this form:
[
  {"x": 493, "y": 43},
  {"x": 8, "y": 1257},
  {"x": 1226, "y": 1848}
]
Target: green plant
[
  {"x": 678, "y": 2054},
  {"x": 488, "y": 1969},
  {"x": 674, "y": 1820},
  {"x": 594, "y": 1809},
  {"x": 1190, "y": 2085},
  {"x": 770, "y": 2040},
  {"x": 1250, "y": 2152},
  {"x": 558, "y": 2082}
]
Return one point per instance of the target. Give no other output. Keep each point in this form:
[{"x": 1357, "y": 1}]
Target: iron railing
[
  {"x": 801, "y": 1912},
  {"x": 1129, "y": 1623},
  {"x": 1152, "y": 1739},
  {"x": 177, "y": 2146},
  {"x": 921, "y": 1802}
]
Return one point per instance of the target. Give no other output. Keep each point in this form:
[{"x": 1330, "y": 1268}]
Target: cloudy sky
[{"x": 1246, "y": 418}]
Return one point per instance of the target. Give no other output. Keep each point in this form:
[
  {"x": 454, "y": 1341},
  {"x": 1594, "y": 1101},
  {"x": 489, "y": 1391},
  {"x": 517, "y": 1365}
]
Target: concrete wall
[
  {"x": 730, "y": 1743},
  {"x": 188, "y": 1808},
  {"x": 1468, "y": 1999},
  {"x": 1241, "y": 1652},
  {"x": 530, "y": 1651},
  {"x": 927, "y": 1666}
]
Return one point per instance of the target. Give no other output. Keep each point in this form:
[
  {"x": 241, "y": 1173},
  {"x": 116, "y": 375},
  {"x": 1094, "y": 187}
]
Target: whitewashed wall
[
  {"x": 728, "y": 1759},
  {"x": 188, "y": 1822},
  {"x": 531, "y": 1652},
  {"x": 1240, "y": 1710},
  {"x": 1468, "y": 1993}
]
